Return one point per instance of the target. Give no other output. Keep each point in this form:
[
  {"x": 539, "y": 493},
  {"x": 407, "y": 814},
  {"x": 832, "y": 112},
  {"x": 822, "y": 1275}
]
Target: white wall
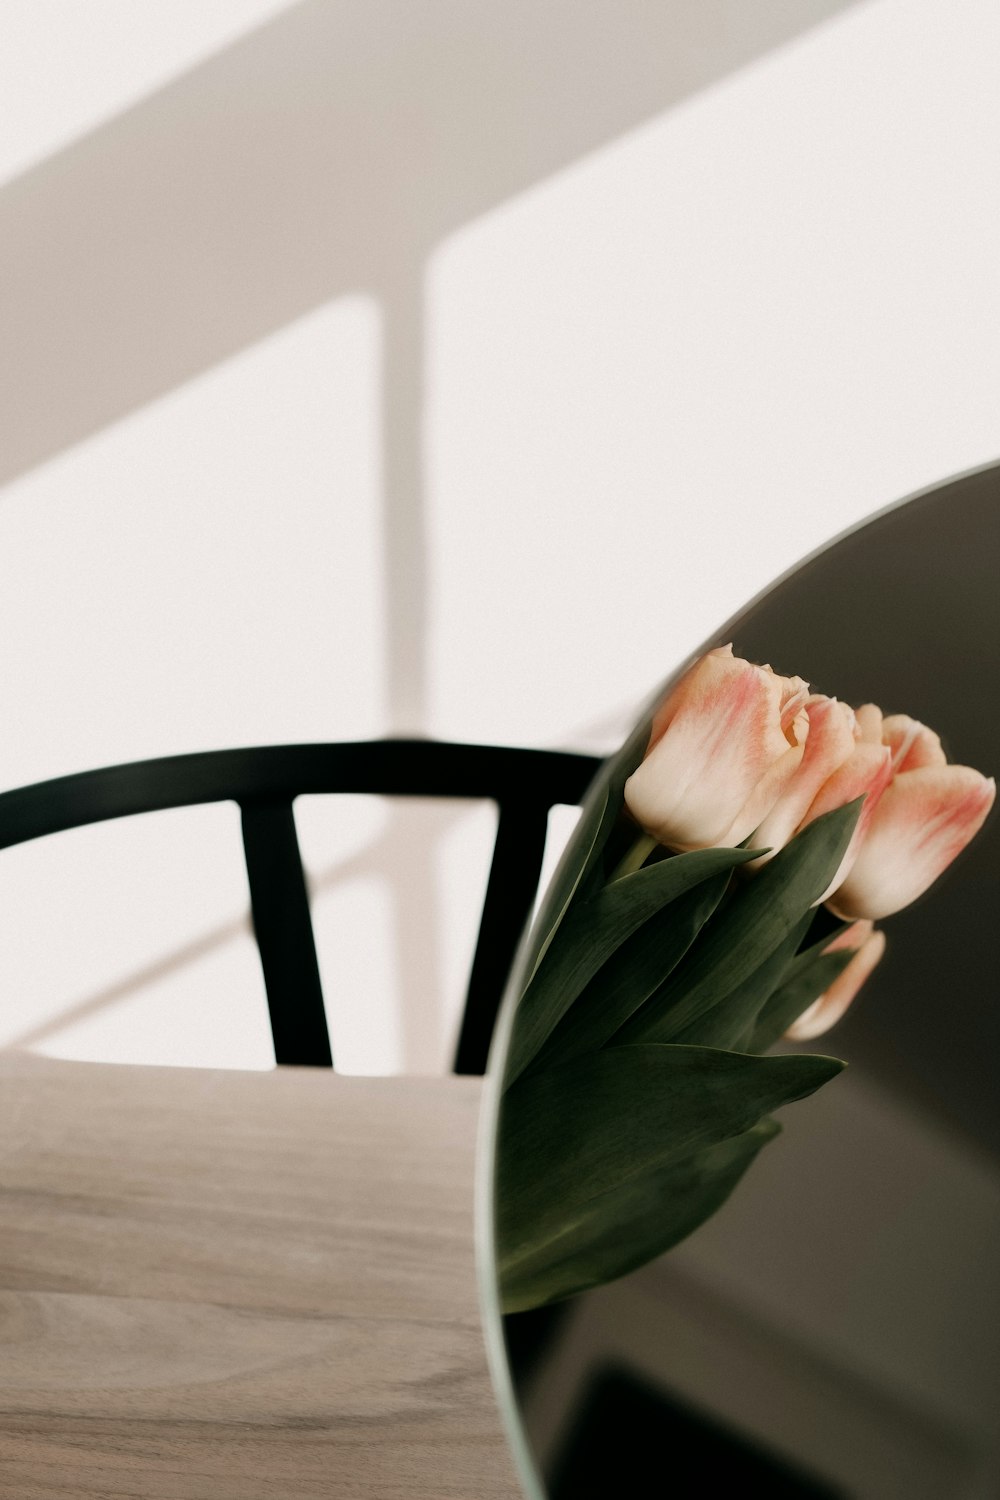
[
  {"x": 441, "y": 367},
  {"x": 661, "y": 377}
]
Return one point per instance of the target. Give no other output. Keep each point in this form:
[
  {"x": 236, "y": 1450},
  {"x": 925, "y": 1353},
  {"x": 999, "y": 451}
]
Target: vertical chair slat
[
  {"x": 283, "y": 927},
  {"x": 510, "y": 895},
  {"x": 263, "y": 780}
]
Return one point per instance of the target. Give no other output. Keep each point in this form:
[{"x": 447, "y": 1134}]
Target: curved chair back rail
[{"x": 265, "y": 781}]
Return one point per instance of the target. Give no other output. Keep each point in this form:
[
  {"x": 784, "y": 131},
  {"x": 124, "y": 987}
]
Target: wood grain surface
[{"x": 220, "y": 1284}]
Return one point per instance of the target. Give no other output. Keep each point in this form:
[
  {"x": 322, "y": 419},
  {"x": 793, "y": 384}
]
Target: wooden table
[{"x": 220, "y": 1284}]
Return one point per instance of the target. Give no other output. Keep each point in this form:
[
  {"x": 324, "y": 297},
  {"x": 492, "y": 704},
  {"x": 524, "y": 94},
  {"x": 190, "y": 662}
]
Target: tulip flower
[
  {"x": 831, "y": 1005},
  {"x": 924, "y": 819},
  {"x": 866, "y": 772},
  {"x": 723, "y": 748},
  {"x": 837, "y": 766},
  {"x": 912, "y": 744}
]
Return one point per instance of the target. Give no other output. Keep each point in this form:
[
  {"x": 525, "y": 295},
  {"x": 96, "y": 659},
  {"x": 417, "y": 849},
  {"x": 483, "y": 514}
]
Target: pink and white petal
[
  {"x": 831, "y": 1006},
  {"x": 689, "y": 789},
  {"x": 867, "y": 773},
  {"x": 829, "y": 743},
  {"x": 869, "y": 717},
  {"x": 722, "y": 736},
  {"x": 695, "y": 684},
  {"x": 852, "y": 937},
  {"x": 794, "y": 719},
  {"x": 923, "y": 821},
  {"x": 912, "y": 744},
  {"x": 763, "y": 797}
]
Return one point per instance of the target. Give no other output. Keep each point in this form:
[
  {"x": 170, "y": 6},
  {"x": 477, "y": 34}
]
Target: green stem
[{"x": 636, "y": 856}]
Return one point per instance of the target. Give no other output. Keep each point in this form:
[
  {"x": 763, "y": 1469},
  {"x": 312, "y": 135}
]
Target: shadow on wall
[{"x": 326, "y": 152}]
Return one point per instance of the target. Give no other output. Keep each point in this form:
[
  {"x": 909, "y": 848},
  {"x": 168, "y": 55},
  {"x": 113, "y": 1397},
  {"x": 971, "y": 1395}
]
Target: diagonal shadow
[{"x": 326, "y": 151}]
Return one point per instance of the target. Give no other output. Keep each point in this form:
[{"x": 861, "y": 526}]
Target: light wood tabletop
[{"x": 221, "y": 1284}]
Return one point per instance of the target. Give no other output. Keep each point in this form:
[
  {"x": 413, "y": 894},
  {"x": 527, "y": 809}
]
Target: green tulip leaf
[
  {"x": 635, "y": 969},
  {"x": 566, "y": 880},
  {"x": 809, "y": 977},
  {"x": 595, "y": 868},
  {"x": 580, "y": 866},
  {"x": 631, "y": 1224},
  {"x": 571, "y": 1134},
  {"x": 760, "y": 918},
  {"x": 593, "y": 930},
  {"x": 734, "y": 1016}
]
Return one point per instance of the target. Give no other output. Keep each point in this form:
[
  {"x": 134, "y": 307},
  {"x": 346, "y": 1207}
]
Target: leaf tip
[{"x": 830, "y": 1066}]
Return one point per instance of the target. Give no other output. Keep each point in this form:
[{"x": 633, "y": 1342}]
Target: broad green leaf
[
  {"x": 748, "y": 930},
  {"x": 590, "y": 934},
  {"x": 572, "y": 1133},
  {"x": 619, "y": 771},
  {"x": 810, "y": 976},
  {"x": 631, "y": 1224},
  {"x": 634, "y": 970},
  {"x": 566, "y": 880},
  {"x": 726, "y": 1023},
  {"x": 830, "y": 928},
  {"x": 579, "y": 865}
]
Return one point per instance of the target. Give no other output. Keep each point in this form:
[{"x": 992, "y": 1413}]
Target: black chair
[{"x": 265, "y": 781}]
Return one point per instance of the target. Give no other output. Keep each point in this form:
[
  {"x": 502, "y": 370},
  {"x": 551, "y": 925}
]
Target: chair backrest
[{"x": 264, "y": 781}]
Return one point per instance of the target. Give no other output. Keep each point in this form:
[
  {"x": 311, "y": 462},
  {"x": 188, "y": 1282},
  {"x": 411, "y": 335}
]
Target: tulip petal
[
  {"x": 794, "y": 719},
  {"x": 715, "y": 740},
  {"x": 828, "y": 1009},
  {"x": 764, "y": 795},
  {"x": 829, "y": 743},
  {"x": 852, "y": 937},
  {"x": 924, "y": 819},
  {"x": 913, "y": 745},
  {"x": 869, "y": 717},
  {"x": 866, "y": 773}
]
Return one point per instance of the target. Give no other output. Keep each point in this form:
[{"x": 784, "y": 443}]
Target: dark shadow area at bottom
[{"x": 632, "y": 1438}]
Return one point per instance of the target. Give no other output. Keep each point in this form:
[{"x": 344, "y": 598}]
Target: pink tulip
[
  {"x": 830, "y": 742},
  {"x": 831, "y": 1005},
  {"x": 924, "y": 819},
  {"x": 723, "y": 748},
  {"x": 869, "y": 720},
  {"x": 912, "y": 744},
  {"x": 866, "y": 772},
  {"x": 837, "y": 767}
]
